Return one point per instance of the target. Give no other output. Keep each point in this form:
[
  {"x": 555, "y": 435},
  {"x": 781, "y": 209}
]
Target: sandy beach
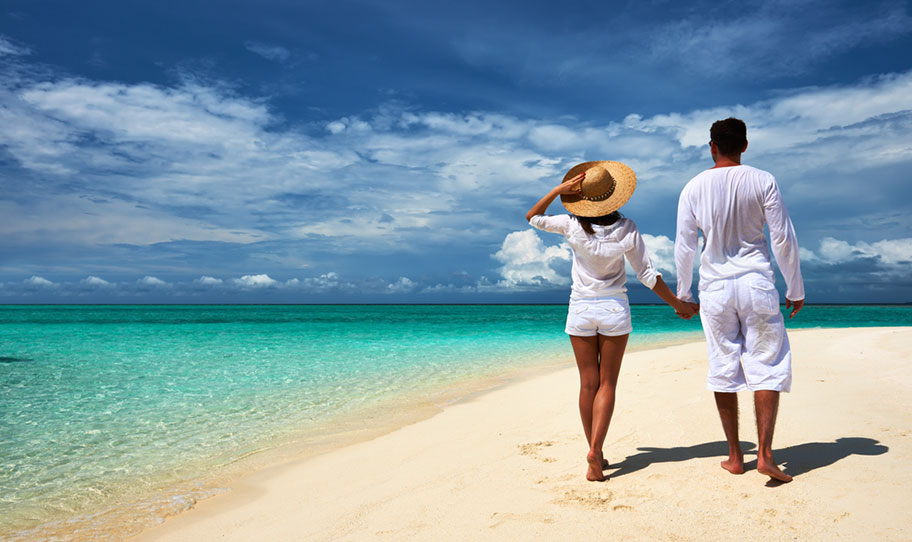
[{"x": 509, "y": 464}]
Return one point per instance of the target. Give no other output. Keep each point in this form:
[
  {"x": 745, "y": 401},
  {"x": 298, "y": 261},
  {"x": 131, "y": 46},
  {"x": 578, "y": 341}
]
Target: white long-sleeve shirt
[
  {"x": 598, "y": 260},
  {"x": 731, "y": 205}
]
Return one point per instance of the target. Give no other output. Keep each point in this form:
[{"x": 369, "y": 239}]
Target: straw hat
[{"x": 607, "y": 187}]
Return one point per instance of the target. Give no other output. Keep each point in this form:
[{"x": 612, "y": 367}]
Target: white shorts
[
  {"x": 591, "y": 316},
  {"x": 746, "y": 341}
]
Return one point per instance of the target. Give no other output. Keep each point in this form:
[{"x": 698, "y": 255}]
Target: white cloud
[
  {"x": 329, "y": 282},
  {"x": 556, "y": 137},
  {"x": 527, "y": 261},
  {"x": 804, "y": 117},
  {"x": 152, "y": 151},
  {"x": 267, "y": 51},
  {"x": 39, "y": 281},
  {"x": 81, "y": 220},
  {"x": 335, "y": 127},
  {"x": 806, "y": 255},
  {"x": 158, "y": 155},
  {"x": 149, "y": 285},
  {"x": 404, "y": 284},
  {"x": 154, "y": 282},
  {"x": 96, "y": 282},
  {"x": 349, "y": 124},
  {"x": 753, "y": 41},
  {"x": 482, "y": 285},
  {"x": 7, "y": 47},
  {"x": 893, "y": 252},
  {"x": 834, "y": 250},
  {"x": 661, "y": 250},
  {"x": 256, "y": 281},
  {"x": 192, "y": 113}
]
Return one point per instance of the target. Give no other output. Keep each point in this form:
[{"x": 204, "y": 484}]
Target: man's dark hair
[{"x": 729, "y": 135}]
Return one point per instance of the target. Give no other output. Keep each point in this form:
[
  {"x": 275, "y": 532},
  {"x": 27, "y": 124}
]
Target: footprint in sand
[
  {"x": 552, "y": 479},
  {"x": 411, "y": 529},
  {"x": 596, "y": 500},
  {"x": 502, "y": 517},
  {"x": 534, "y": 450}
]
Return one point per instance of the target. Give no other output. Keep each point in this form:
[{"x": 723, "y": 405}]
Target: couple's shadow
[{"x": 794, "y": 460}]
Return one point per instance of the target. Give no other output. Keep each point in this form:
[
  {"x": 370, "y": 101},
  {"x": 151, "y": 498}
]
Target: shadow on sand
[
  {"x": 795, "y": 460},
  {"x": 803, "y": 458},
  {"x": 648, "y": 456}
]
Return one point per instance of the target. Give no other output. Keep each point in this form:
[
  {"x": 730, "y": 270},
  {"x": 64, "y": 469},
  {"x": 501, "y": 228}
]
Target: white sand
[{"x": 510, "y": 464}]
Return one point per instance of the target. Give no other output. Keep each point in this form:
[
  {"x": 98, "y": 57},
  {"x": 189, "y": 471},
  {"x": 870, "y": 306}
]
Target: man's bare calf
[
  {"x": 727, "y": 403},
  {"x": 766, "y": 406}
]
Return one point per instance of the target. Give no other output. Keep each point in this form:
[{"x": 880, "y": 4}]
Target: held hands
[{"x": 686, "y": 309}]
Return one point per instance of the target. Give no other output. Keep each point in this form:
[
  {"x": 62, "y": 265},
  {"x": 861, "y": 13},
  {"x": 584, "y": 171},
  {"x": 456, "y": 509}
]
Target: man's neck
[{"x": 727, "y": 161}]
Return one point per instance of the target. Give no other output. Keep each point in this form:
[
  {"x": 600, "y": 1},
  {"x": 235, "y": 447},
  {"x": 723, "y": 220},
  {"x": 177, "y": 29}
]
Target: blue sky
[{"x": 353, "y": 151}]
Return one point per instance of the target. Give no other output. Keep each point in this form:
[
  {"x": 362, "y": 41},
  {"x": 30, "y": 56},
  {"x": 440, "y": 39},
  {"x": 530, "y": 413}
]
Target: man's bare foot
[
  {"x": 734, "y": 465},
  {"x": 772, "y": 470},
  {"x": 594, "y": 474}
]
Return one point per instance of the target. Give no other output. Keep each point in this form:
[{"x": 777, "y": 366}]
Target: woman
[{"x": 598, "y": 320}]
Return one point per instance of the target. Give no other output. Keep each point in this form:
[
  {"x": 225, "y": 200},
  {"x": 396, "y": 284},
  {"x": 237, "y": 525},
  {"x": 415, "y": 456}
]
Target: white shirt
[
  {"x": 598, "y": 259},
  {"x": 730, "y": 205}
]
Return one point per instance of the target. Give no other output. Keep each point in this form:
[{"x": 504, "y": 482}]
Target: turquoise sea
[{"x": 112, "y": 417}]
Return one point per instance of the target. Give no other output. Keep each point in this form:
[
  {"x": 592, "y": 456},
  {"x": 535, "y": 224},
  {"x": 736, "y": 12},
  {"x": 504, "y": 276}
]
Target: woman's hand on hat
[{"x": 572, "y": 186}]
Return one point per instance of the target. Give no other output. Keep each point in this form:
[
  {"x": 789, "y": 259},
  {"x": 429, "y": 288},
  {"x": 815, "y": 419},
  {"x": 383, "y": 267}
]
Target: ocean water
[{"x": 113, "y": 416}]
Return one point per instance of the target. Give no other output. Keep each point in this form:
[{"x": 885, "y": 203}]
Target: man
[{"x": 739, "y": 306}]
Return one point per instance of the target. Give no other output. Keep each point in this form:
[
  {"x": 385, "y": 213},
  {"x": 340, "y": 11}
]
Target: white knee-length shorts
[
  {"x": 591, "y": 316},
  {"x": 746, "y": 341}
]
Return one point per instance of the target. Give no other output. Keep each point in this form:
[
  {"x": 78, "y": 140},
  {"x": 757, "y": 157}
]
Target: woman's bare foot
[
  {"x": 603, "y": 460},
  {"x": 734, "y": 465},
  {"x": 772, "y": 470},
  {"x": 594, "y": 474}
]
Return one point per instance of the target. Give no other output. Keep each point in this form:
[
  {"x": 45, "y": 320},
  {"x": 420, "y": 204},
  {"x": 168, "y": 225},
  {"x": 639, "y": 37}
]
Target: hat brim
[{"x": 625, "y": 184}]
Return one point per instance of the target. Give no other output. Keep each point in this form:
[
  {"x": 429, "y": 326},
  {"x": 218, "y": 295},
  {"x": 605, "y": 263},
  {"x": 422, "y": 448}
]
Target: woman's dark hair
[
  {"x": 587, "y": 221},
  {"x": 729, "y": 135}
]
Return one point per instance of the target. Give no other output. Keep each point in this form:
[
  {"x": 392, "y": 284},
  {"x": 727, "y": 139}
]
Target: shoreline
[
  {"x": 322, "y": 487},
  {"x": 140, "y": 513}
]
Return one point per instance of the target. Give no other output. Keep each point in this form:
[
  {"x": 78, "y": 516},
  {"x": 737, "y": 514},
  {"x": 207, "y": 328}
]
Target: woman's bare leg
[
  {"x": 587, "y": 360},
  {"x": 593, "y": 374},
  {"x": 586, "y": 350},
  {"x": 611, "y": 353}
]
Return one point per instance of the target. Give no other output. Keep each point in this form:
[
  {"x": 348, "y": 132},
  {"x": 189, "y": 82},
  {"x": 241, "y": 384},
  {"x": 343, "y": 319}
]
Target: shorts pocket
[
  {"x": 764, "y": 297},
  {"x": 611, "y": 307},
  {"x": 580, "y": 320}
]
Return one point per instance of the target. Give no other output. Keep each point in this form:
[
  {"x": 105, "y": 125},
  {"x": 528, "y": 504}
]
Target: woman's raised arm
[{"x": 571, "y": 186}]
